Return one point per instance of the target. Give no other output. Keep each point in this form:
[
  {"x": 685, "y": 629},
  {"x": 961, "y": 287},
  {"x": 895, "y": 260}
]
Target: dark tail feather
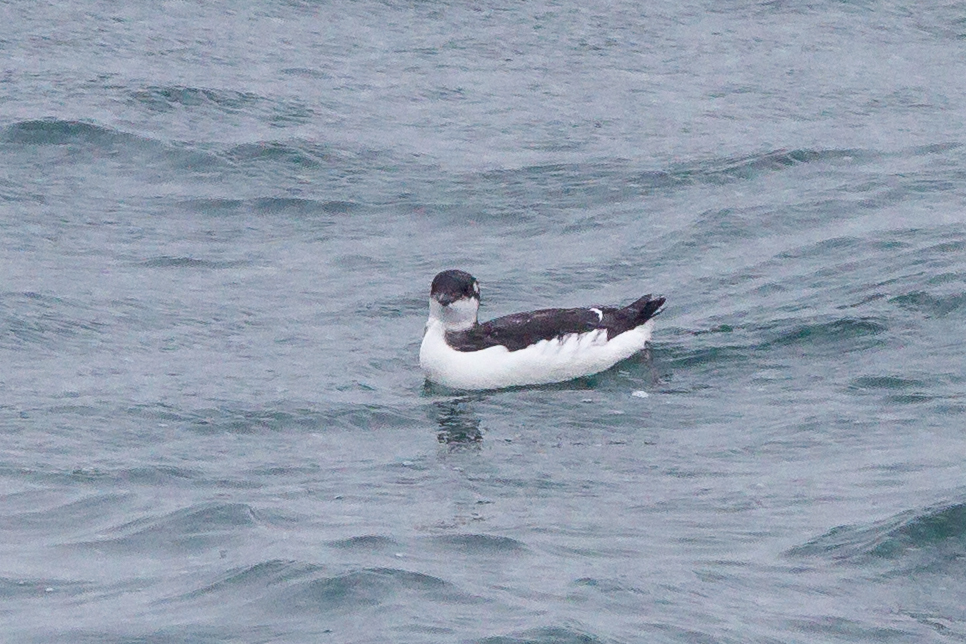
[
  {"x": 617, "y": 321},
  {"x": 646, "y": 308}
]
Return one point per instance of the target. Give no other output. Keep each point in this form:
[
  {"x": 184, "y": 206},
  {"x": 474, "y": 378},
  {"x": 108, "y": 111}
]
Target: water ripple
[
  {"x": 192, "y": 529},
  {"x": 480, "y": 544},
  {"x": 367, "y": 587},
  {"x": 63, "y": 132},
  {"x": 842, "y": 334},
  {"x": 35, "y": 319},
  {"x": 546, "y": 635},
  {"x": 368, "y": 543},
  {"x": 931, "y": 305},
  {"x": 916, "y": 540},
  {"x": 191, "y": 262}
]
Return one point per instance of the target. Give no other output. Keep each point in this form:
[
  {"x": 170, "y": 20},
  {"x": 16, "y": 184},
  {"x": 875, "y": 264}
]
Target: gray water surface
[{"x": 218, "y": 225}]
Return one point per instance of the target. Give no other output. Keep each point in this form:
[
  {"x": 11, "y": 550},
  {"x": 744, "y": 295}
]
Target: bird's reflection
[{"x": 458, "y": 425}]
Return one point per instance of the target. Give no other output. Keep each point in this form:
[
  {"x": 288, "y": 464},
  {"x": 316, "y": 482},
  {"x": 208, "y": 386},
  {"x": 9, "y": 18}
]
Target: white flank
[{"x": 547, "y": 361}]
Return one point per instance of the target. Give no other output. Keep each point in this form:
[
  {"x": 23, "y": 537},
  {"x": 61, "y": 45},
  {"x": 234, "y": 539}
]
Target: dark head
[
  {"x": 454, "y": 300},
  {"x": 453, "y": 285}
]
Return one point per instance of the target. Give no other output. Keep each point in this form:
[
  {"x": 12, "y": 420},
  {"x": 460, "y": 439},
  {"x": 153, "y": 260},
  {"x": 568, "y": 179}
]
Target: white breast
[{"x": 547, "y": 361}]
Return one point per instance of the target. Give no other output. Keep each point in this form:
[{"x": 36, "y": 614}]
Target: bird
[{"x": 530, "y": 348}]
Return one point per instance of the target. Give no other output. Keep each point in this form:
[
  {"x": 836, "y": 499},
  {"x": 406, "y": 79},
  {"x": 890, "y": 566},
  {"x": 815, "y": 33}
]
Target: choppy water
[{"x": 218, "y": 224}]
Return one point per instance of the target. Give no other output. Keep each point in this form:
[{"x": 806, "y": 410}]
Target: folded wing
[{"x": 521, "y": 330}]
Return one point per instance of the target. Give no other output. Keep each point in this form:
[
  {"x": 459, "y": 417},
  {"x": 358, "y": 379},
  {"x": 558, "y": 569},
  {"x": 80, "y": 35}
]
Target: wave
[
  {"x": 63, "y": 132},
  {"x": 368, "y": 587},
  {"x": 546, "y": 635},
  {"x": 910, "y": 391},
  {"x": 480, "y": 544},
  {"x": 52, "y": 519},
  {"x": 301, "y": 154},
  {"x": 153, "y": 158},
  {"x": 168, "y": 98},
  {"x": 516, "y": 194},
  {"x": 248, "y": 580},
  {"x": 369, "y": 543},
  {"x": 715, "y": 347},
  {"x": 922, "y": 540},
  {"x": 620, "y": 179},
  {"x": 195, "y": 528},
  {"x": 164, "y": 98},
  {"x": 249, "y": 421},
  {"x": 931, "y": 305},
  {"x": 29, "y": 588},
  {"x": 105, "y": 143},
  {"x": 682, "y": 357},
  {"x": 748, "y": 167},
  {"x": 889, "y": 383},
  {"x": 841, "y": 333},
  {"x": 29, "y": 318},
  {"x": 287, "y": 206},
  {"x": 617, "y": 180},
  {"x": 191, "y": 262},
  {"x": 282, "y": 586}
]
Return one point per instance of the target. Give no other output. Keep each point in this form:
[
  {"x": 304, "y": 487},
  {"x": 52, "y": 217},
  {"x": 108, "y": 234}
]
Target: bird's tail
[{"x": 645, "y": 308}]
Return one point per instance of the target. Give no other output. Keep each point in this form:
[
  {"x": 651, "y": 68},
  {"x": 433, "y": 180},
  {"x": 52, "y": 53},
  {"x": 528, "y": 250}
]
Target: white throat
[{"x": 458, "y": 316}]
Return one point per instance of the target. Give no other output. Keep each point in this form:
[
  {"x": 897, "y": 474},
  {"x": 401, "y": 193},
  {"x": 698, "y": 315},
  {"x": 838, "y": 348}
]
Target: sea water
[{"x": 218, "y": 226}]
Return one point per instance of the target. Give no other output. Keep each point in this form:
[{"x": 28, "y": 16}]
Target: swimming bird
[{"x": 532, "y": 348}]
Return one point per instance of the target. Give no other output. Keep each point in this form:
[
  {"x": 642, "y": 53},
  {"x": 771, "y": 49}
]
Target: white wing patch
[{"x": 570, "y": 345}]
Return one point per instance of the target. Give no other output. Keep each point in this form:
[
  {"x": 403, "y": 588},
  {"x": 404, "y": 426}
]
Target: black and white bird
[{"x": 533, "y": 348}]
